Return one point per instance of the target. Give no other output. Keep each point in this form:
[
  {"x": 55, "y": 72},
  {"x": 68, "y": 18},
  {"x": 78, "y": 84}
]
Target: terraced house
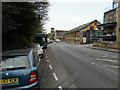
[{"x": 82, "y": 34}]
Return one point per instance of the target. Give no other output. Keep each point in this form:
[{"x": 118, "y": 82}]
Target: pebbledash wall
[{"x": 82, "y": 34}]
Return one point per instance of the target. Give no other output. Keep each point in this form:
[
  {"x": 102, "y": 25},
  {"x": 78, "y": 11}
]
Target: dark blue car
[{"x": 19, "y": 69}]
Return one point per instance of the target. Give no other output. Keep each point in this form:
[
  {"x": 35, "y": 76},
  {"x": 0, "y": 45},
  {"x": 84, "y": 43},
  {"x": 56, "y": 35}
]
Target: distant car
[
  {"x": 57, "y": 40},
  {"x": 20, "y": 69},
  {"x": 51, "y": 41},
  {"x": 37, "y": 48}
]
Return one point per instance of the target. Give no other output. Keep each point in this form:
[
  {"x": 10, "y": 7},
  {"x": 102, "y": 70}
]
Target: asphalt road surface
[{"x": 78, "y": 66}]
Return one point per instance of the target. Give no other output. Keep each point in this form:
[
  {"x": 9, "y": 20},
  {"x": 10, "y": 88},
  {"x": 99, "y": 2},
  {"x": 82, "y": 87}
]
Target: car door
[{"x": 36, "y": 64}]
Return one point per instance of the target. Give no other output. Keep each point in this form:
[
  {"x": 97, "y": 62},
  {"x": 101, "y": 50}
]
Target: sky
[{"x": 68, "y": 14}]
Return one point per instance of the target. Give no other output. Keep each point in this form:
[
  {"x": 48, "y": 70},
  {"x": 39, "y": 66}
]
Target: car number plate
[{"x": 10, "y": 80}]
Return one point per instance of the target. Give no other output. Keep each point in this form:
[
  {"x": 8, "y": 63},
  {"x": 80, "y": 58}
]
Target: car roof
[
  {"x": 19, "y": 52},
  {"x": 33, "y": 44}
]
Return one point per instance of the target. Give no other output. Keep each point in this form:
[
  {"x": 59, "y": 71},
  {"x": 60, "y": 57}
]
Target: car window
[
  {"x": 35, "y": 59},
  {"x": 14, "y": 62},
  {"x": 35, "y": 46}
]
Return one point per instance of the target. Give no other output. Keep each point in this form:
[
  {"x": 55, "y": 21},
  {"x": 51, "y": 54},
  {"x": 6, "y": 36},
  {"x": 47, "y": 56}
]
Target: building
[
  {"x": 118, "y": 25},
  {"x": 111, "y": 26},
  {"x": 51, "y": 35},
  {"x": 59, "y": 34},
  {"x": 85, "y": 33}
]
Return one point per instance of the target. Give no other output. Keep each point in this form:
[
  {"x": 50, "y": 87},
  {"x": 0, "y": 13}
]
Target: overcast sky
[{"x": 68, "y": 14}]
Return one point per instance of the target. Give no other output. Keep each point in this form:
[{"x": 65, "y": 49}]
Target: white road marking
[
  {"x": 112, "y": 66},
  {"x": 92, "y": 63},
  {"x": 95, "y": 55},
  {"x": 104, "y": 68},
  {"x": 55, "y": 76},
  {"x": 115, "y": 56},
  {"x": 50, "y": 67},
  {"x": 107, "y": 60},
  {"x": 60, "y": 88},
  {"x": 47, "y": 60},
  {"x": 46, "y": 57},
  {"x": 104, "y": 56}
]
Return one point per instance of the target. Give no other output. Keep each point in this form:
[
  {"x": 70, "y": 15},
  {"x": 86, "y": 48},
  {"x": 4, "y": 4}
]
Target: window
[
  {"x": 14, "y": 62},
  {"x": 34, "y": 46},
  {"x": 84, "y": 34},
  {"x": 35, "y": 59},
  {"x": 115, "y": 5},
  {"x": 91, "y": 28}
]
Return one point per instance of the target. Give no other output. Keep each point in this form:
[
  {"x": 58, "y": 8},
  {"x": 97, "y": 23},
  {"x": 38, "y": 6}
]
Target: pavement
[
  {"x": 78, "y": 66},
  {"x": 99, "y": 48},
  {"x": 104, "y": 49}
]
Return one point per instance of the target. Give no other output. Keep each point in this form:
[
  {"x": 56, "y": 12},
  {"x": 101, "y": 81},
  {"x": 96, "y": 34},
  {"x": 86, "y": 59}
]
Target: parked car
[
  {"x": 50, "y": 41},
  {"x": 57, "y": 40},
  {"x": 20, "y": 69},
  {"x": 37, "y": 48}
]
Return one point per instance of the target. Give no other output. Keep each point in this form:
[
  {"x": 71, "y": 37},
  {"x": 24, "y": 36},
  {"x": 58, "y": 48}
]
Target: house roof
[
  {"x": 61, "y": 32},
  {"x": 83, "y": 26}
]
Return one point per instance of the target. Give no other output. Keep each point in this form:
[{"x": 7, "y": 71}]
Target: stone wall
[{"x": 107, "y": 44}]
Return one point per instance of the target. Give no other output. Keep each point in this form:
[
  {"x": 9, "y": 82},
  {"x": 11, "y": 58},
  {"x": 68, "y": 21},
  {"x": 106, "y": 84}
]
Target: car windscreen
[
  {"x": 14, "y": 62},
  {"x": 35, "y": 46}
]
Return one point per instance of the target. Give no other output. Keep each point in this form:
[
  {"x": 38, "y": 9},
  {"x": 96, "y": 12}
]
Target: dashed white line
[
  {"x": 55, "y": 76},
  {"x": 106, "y": 60},
  {"x": 115, "y": 56},
  {"x": 47, "y": 60},
  {"x": 112, "y": 66},
  {"x": 104, "y": 56},
  {"x": 46, "y": 57},
  {"x": 50, "y": 67},
  {"x": 60, "y": 88},
  {"x": 104, "y": 68},
  {"x": 92, "y": 63}
]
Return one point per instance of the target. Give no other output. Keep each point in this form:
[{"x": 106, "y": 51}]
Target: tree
[{"x": 20, "y": 21}]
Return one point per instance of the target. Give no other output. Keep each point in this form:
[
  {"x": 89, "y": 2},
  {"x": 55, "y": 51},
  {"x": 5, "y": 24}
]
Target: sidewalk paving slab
[{"x": 105, "y": 49}]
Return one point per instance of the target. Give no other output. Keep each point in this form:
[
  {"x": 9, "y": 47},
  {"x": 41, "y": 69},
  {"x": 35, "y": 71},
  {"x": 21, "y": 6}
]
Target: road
[{"x": 78, "y": 66}]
